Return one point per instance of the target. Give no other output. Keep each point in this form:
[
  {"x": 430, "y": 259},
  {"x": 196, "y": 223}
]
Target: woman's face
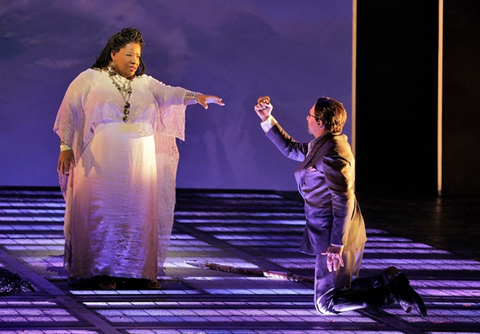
[{"x": 127, "y": 59}]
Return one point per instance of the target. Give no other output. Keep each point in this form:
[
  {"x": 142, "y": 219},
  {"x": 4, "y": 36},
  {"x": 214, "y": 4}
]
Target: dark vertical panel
[
  {"x": 461, "y": 98},
  {"x": 396, "y": 91}
]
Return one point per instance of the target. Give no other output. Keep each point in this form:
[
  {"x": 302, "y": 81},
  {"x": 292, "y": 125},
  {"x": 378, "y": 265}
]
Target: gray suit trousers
[{"x": 326, "y": 281}]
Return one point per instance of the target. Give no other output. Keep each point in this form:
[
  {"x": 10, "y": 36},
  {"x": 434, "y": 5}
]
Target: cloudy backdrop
[{"x": 292, "y": 50}]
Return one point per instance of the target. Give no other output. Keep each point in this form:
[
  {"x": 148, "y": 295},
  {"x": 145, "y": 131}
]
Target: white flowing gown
[{"x": 120, "y": 196}]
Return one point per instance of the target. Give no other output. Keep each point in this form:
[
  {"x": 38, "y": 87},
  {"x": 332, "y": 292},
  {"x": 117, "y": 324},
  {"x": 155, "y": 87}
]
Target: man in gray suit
[{"x": 335, "y": 230}]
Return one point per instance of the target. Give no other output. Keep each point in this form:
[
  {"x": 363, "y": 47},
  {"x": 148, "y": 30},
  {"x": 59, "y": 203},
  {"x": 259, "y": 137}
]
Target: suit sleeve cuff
[{"x": 268, "y": 123}]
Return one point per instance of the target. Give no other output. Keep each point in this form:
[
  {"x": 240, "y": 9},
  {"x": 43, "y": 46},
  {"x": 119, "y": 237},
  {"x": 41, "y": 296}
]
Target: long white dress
[{"x": 120, "y": 196}]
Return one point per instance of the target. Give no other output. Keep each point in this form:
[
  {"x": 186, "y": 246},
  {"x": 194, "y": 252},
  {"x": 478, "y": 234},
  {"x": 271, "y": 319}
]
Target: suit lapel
[
  {"x": 315, "y": 148},
  {"x": 300, "y": 171}
]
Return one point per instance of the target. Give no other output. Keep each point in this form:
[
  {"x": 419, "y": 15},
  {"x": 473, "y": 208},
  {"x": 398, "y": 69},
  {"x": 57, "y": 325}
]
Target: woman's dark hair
[
  {"x": 331, "y": 113},
  {"x": 118, "y": 41}
]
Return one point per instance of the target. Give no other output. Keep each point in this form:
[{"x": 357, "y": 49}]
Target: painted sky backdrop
[{"x": 293, "y": 51}]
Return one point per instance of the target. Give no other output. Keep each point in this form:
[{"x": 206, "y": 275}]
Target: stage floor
[{"x": 435, "y": 241}]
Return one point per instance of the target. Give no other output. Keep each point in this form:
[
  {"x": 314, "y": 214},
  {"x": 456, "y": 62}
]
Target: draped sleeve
[
  {"x": 70, "y": 120},
  {"x": 170, "y": 125},
  {"x": 171, "y": 109}
]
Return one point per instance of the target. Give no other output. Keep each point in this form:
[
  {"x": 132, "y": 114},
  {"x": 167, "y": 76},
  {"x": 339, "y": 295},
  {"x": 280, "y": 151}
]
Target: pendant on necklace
[
  {"x": 125, "y": 89},
  {"x": 126, "y": 111}
]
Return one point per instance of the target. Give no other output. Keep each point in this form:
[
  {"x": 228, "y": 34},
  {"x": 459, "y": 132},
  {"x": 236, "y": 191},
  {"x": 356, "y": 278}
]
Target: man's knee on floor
[{"x": 325, "y": 304}]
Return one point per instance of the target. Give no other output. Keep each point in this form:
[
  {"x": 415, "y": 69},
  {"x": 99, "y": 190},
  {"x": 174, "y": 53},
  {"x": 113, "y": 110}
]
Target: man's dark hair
[{"x": 331, "y": 113}]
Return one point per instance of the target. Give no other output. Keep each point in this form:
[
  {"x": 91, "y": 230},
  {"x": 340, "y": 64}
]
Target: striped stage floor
[{"x": 231, "y": 228}]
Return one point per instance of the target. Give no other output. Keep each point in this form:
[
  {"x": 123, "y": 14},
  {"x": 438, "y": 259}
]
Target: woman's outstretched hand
[{"x": 205, "y": 100}]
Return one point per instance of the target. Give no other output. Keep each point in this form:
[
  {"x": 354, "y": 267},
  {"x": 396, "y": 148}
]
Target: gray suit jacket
[{"x": 325, "y": 180}]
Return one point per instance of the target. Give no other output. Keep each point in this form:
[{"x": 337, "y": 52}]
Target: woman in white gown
[{"x": 117, "y": 166}]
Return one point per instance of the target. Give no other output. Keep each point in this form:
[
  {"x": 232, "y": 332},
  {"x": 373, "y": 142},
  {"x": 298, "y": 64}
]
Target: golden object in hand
[{"x": 264, "y": 100}]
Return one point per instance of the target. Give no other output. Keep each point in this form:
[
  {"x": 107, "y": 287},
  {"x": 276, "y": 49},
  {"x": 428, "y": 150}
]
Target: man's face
[{"x": 312, "y": 123}]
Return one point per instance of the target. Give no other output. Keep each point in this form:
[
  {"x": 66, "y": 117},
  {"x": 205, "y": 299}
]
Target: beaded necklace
[{"x": 124, "y": 86}]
